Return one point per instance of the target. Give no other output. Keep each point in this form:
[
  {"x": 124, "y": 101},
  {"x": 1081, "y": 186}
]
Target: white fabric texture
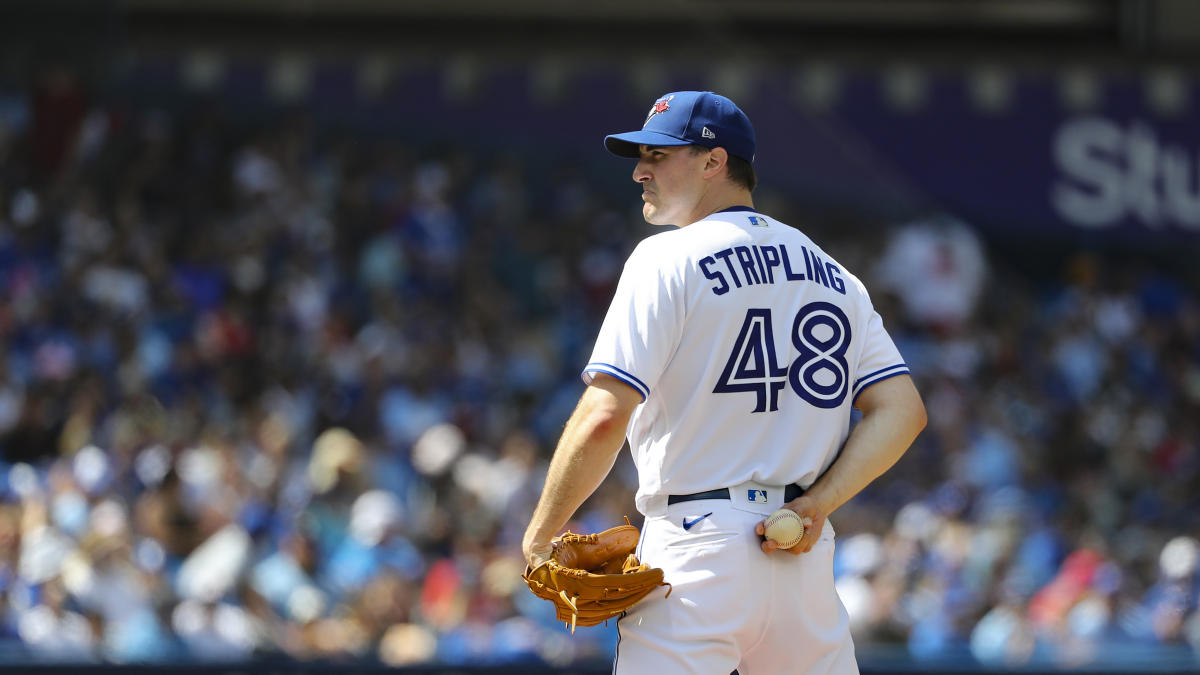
[
  {"x": 732, "y": 606},
  {"x": 734, "y": 330}
]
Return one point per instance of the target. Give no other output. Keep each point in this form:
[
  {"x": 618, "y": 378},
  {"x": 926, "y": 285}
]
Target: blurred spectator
[{"x": 937, "y": 268}]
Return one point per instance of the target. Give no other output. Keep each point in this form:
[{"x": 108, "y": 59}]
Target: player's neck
[{"x": 719, "y": 201}]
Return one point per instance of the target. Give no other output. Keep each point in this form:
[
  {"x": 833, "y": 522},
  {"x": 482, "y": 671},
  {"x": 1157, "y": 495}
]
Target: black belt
[{"x": 789, "y": 493}]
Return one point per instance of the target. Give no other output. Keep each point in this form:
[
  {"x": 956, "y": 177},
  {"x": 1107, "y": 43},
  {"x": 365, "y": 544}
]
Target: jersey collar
[{"x": 737, "y": 208}]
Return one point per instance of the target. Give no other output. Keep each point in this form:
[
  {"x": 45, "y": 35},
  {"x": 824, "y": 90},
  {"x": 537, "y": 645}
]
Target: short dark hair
[{"x": 741, "y": 172}]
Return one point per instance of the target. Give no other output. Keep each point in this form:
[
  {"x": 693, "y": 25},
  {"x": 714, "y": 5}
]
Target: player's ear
[{"x": 717, "y": 159}]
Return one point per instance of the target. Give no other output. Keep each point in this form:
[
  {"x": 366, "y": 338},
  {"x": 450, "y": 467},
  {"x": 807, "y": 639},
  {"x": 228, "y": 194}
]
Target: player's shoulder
[
  {"x": 811, "y": 252},
  {"x": 681, "y": 243}
]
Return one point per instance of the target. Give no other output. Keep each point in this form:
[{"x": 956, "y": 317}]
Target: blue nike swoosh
[{"x": 687, "y": 524}]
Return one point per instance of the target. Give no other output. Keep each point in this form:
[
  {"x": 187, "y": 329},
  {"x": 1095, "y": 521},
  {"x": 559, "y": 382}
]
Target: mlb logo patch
[
  {"x": 757, "y": 221},
  {"x": 756, "y": 496}
]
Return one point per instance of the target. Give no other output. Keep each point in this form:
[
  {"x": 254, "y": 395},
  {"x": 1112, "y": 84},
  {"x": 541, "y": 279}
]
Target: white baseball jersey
[{"x": 749, "y": 345}]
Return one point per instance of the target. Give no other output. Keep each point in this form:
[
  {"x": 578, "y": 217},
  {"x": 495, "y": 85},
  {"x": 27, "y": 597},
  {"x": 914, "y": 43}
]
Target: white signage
[{"x": 1108, "y": 173}]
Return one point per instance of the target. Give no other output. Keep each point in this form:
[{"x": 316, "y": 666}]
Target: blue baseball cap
[{"x": 690, "y": 118}]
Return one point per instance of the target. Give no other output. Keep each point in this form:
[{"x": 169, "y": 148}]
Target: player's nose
[{"x": 640, "y": 173}]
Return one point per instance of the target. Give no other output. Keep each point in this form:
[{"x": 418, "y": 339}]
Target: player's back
[{"x": 772, "y": 339}]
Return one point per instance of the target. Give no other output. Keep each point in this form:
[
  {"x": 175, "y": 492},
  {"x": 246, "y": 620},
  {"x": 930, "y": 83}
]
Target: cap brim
[{"x": 627, "y": 144}]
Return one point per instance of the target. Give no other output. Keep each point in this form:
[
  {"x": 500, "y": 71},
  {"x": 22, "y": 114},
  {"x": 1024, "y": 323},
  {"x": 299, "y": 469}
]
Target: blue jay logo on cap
[{"x": 662, "y": 105}]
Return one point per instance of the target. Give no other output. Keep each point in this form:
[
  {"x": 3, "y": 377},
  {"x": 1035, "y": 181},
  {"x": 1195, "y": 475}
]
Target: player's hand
[
  {"x": 814, "y": 522},
  {"x": 537, "y": 553}
]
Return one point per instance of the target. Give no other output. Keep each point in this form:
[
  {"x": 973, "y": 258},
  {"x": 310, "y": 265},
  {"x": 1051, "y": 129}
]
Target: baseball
[{"x": 785, "y": 527}]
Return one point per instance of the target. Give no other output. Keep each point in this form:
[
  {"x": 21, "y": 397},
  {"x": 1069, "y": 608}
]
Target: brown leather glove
[{"x": 592, "y": 578}]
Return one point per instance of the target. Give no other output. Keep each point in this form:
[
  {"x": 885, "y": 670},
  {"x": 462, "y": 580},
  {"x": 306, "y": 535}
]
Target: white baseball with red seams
[{"x": 785, "y": 527}]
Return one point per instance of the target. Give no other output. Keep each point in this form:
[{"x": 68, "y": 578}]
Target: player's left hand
[
  {"x": 814, "y": 522},
  {"x": 537, "y": 553}
]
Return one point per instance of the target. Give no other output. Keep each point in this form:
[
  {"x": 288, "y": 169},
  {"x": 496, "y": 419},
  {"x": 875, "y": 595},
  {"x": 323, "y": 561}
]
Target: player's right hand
[{"x": 814, "y": 522}]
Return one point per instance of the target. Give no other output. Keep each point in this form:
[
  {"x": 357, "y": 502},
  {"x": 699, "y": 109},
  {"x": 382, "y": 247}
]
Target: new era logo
[
  {"x": 756, "y": 496},
  {"x": 707, "y": 133}
]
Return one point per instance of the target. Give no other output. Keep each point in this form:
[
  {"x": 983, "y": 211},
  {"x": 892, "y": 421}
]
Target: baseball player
[{"x": 731, "y": 357}]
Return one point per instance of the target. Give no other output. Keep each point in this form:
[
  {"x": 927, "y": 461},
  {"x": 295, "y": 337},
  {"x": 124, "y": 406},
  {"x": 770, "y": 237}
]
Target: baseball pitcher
[{"x": 731, "y": 357}]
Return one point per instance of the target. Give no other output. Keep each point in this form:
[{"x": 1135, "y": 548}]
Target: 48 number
[{"x": 819, "y": 374}]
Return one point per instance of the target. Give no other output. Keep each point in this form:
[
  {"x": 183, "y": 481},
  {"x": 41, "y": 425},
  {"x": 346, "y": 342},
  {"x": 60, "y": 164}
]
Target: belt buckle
[{"x": 756, "y": 497}]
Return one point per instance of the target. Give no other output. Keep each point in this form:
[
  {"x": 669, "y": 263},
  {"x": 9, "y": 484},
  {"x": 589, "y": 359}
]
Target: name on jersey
[{"x": 754, "y": 265}]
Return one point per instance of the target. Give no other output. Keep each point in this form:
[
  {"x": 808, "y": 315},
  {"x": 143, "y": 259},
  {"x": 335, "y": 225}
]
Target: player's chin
[
  {"x": 652, "y": 214},
  {"x": 648, "y": 212}
]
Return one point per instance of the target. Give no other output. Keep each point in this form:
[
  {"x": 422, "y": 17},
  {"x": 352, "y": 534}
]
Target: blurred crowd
[{"x": 270, "y": 390}]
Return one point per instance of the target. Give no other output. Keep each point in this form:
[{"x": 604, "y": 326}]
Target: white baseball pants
[{"x": 731, "y": 605}]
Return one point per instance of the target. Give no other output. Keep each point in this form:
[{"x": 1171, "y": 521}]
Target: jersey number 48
[{"x": 819, "y": 373}]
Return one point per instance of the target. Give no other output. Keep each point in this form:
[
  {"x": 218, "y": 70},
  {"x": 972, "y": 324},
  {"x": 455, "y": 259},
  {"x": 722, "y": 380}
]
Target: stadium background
[{"x": 294, "y": 298}]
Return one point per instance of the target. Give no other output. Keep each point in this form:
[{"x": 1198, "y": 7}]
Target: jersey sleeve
[
  {"x": 642, "y": 327},
  {"x": 880, "y": 359}
]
